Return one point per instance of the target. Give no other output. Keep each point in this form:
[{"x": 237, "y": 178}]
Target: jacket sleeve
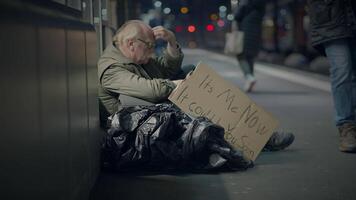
[
  {"x": 118, "y": 79},
  {"x": 167, "y": 64}
]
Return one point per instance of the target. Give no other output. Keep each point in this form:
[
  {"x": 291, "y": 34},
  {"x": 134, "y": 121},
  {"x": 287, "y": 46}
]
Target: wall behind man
[{"x": 50, "y": 136}]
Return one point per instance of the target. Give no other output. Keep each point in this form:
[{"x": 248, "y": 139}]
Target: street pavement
[{"x": 311, "y": 168}]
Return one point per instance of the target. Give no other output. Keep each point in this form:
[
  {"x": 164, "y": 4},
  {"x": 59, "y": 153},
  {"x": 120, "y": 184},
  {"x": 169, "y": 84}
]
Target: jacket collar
[{"x": 111, "y": 52}]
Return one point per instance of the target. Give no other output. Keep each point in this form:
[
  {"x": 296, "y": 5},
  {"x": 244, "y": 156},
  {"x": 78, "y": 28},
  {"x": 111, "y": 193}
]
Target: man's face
[{"x": 144, "y": 50}]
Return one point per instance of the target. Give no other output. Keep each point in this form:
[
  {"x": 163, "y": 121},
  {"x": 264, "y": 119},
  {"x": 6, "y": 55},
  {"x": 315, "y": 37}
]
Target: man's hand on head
[{"x": 162, "y": 33}]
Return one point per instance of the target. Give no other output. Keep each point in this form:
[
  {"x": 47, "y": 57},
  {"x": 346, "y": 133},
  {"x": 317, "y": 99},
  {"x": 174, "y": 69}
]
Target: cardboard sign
[{"x": 205, "y": 93}]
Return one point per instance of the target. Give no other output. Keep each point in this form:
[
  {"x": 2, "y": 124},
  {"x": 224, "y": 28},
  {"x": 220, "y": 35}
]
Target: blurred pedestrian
[
  {"x": 249, "y": 16},
  {"x": 333, "y": 30}
]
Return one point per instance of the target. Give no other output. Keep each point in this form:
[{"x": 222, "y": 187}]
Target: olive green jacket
[{"x": 119, "y": 75}]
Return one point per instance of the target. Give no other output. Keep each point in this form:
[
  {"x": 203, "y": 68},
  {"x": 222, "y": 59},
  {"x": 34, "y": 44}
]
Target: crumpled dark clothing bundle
[{"x": 161, "y": 136}]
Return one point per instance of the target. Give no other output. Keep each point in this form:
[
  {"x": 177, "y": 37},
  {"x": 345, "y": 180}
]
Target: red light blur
[
  {"x": 191, "y": 28},
  {"x": 210, "y": 27},
  {"x": 179, "y": 29}
]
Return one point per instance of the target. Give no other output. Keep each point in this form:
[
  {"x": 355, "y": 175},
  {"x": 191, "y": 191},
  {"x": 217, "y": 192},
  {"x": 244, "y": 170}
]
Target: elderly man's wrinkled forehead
[{"x": 134, "y": 29}]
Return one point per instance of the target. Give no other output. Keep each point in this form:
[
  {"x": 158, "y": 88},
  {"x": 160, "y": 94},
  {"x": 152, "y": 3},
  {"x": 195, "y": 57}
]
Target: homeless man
[{"x": 128, "y": 67}]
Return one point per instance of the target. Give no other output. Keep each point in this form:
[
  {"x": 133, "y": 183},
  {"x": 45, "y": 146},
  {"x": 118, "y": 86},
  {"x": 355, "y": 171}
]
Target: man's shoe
[
  {"x": 250, "y": 83},
  {"x": 279, "y": 141},
  {"x": 347, "y": 133}
]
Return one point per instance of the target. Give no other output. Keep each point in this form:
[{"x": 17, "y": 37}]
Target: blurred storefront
[
  {"x": 198, "y": 24},
  {"x": 286, "y": 36}
]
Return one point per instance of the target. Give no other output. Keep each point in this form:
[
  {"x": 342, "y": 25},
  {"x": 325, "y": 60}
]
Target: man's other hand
[{"x": 177, "y": 82}]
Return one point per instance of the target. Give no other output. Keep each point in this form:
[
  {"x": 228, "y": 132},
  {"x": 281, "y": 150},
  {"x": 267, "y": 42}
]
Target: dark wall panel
[
  {"x": 54, "y": 110},
  {"x": 19, "y": 117},
  {"x": 95, "y": 133},
  {"x": 50, "y": 136},
  {"x": 79, "y": 137}
]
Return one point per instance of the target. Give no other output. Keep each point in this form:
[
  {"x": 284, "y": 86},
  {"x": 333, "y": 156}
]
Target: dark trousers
[{"x": 246, "y": 63}]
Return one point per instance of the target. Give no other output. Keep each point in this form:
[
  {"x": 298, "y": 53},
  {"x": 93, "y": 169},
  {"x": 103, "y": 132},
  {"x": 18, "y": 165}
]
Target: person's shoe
[
  {"x": 347, "y": 133},
  {"x": 250, "y": 83},
  {"x": 279, "y": 141}
]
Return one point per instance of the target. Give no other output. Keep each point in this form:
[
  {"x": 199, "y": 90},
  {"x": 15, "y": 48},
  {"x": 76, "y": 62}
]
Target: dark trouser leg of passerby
[
  {"x": 353, "y": 51},
  {"x": 246, "y": 63},
  {"x": 341, "y": 55}
]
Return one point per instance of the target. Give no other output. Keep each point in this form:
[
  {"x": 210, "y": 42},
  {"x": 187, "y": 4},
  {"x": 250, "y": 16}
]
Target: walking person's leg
[
  {"x": 251, "y": 62},
  {"x": 246, "y": 64},
  {"x": 353, "y": 55},
  {"x": 339, "y": 54}
]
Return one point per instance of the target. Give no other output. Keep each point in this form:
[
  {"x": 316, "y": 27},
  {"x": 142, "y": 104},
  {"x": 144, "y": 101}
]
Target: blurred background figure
[
  {"x": 249, "y": 16},
  {"x": 333, "y": 31},
  {"x": 158, "y": 20}
]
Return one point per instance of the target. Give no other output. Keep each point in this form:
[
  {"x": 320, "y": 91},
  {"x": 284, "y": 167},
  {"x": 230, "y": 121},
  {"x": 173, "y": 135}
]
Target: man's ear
[{"x": 130, "y": 44}]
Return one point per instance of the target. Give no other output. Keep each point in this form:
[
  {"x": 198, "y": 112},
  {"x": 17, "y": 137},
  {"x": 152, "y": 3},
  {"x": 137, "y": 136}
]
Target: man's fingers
[
  {"x": 162, "y": 33},
  {"x": 177, "y": 82},
  {"x": 158, "y": 33},
  {"x": 157, "y": 28}
]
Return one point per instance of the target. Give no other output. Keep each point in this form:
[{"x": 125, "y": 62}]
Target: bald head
[{"x": 132, "y": 29}]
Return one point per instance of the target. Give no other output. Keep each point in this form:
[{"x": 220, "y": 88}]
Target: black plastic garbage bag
[{"x": 161, "y": 136}]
